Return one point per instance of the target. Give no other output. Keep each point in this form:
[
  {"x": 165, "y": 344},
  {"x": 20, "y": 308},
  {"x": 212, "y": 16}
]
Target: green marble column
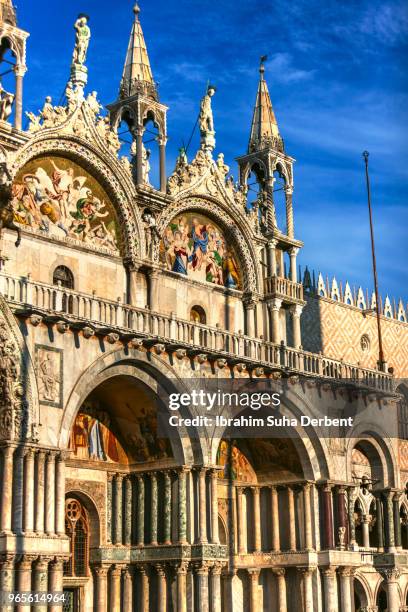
[
  {"x": 140, "y": 511},
  {"x": 128, "y": 511},
  {"x": 182, "y": 509},
  {"x": 153, "y": 509},
  {"x": 397, "y": 520},
  {"x": 167, "y": 508},
  {"x": 117, "y": 523}
]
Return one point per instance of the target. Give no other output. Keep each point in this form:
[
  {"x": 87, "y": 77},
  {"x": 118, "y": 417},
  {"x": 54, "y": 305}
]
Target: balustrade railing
[
  {"x": 144, "y": 322},
  {"x": 283, "y": 287}
]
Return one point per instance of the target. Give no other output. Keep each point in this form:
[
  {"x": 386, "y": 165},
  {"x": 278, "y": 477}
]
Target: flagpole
[{"x": 377, "y": 298}]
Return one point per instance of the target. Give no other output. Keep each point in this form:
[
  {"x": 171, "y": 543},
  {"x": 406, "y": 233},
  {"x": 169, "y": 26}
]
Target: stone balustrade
[
  {"x": 278, "y": 286},
  {"x": 25, "y": 295}
]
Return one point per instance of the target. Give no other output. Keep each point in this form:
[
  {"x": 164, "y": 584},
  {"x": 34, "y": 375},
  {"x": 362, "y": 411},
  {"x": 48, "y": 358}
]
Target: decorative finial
[
  {"x": 262, "y": 64},
  {"x": 365, "y": 155},
  {"x": 136, "y": 10}
]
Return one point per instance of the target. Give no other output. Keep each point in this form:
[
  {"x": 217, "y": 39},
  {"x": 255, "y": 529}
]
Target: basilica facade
[{"x": 114, "y": 294}]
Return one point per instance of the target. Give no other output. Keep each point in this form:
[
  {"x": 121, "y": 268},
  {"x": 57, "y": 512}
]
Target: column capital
[
  {"x": 101, "y": 571},
  {"x": 346, "y": 572},
  {"x": 20, "y": 70},
  {"x": 7, "y": 560},
  {"x": 254, "y": 572},
  {"x": 26, "y": 561},
  {"x": 329, "y": 571},
  {"x": 57, "y": 564},
  {"x": 182, "y": 567},
  {"x": 307, "y": 570},
  {"x": 217, "y": 568},
  {"x": 278, "y": 571},
  {"x": 202, "y": 567},
  {"x": 391, "y": 574},
  {"x": 116, "y": 570},
  {"x": 293, "y": 251},
  {"x": 275, "y": 304},
  {"x": 296, "y": 309},
  {"x": 160, "y": 569},
  {"x": 272, "y": 243}
]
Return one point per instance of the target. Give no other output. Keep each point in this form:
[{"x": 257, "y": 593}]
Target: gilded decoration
[
  {"x": 58, "y": 198},
  {"x": 195, "y": 246},
  {"x": 234, "y": 463}
]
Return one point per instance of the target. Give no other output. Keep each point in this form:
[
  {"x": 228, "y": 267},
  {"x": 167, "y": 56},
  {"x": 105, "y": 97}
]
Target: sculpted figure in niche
[
  {"x": 6, "y": 103},
  {"x": 206, "y": 119},
  {"x": 82, "y": 38},
  {"x": 151, "y": 231}
]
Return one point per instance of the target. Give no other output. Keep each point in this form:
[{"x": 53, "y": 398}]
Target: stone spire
[
  {"x": 264, "y": 128},
  {"x": 8, "y": 12},
  {"x": 137, "y": 74}
]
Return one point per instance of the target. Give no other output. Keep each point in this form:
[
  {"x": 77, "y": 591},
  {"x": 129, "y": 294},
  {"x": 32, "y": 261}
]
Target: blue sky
[{"x": 337, "y": 74}]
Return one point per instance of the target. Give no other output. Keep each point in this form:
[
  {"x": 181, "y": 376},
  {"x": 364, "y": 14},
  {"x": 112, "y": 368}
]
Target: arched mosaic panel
[
  {"x": 58, "y": 198},
  {"x": 195, "y": 246}
]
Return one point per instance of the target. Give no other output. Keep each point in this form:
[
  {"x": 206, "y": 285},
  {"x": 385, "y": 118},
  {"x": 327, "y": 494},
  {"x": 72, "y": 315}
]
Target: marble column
[
  {"x": 60, "y": 495},
  {"x": 293, "y": 271},
  {"x": 308, "y": 517},
  {"x": 29, "y": 481},
  {"x": 56, "y": 570},
  {"x": 162, "y": 155},
  {"x": 167, "y": 508},
  {"x": 275, "y": 519},
  {"x": 397, "y": 520},
  {"x": 391, "y": 579},
  {"x": 18, "y": 489},
  {"x": 296, "y": 328},
  {"x": 101, "y": 587},
  {"x": 279, "y": 572},
  {"x": 250, "y": 315},
  {"x": 182, "y": 587},
  {"x": 117, "y": 517},
  {"x": 390, "y": 539},
  {"x": 328, "y": 516},
  {"x": 127, "y": 536},
  {"x": 114, "y": 596},
  {"x": 275, "y": 307},
  {"x": 128, "y": 590},
  {"x": 153, "y": 290},
  {"x": 366, "y": 531},
  {"x": 202, "y": 586},
  {"x": 39, "y": 510},
  {"x": 351, "y": 521},
  {"x": 161, "y": 588},
  {"x": 216, "y": 598},
  {"x": 144, "y": 592},
  {"x": 290, "y": 226},
  {"x": 254, "y": 590},
  {"x": 182, "y": 509},
  {"x": 40, "y": 582},
  {"x": 240, "y": 521},
  {"x": 228, "y": 578},
  {"x": 345, "y": 589},
  {"x": 50, "y": 494},
  {"x": 341, "y": 511},
  {"x": 202, "y": 506},
  {"x": 272, "y": 257},
  {"x": 292, "y": 519},
  {"x": 138, "y": 135},
  {"x": 379, "y": 522},
  {"x": 256, "y": 498},
  {"x": 23, "y": 578},
  {"x": 308, "y": 588},
  {"x": 7, "y": 577},
  {"x": 6, "y": 489},
  {"x": 215, "y": 538},
  {"x": 330, "y": 589},
  {"x": 18, "y": 103},
  {"x": 153, "y": 509},
  {"x": 140, "y": 511}
]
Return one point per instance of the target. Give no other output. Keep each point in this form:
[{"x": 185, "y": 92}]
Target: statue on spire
[
  {"x": 206, "y": 121},
  {"x": 82, "y": 38}
]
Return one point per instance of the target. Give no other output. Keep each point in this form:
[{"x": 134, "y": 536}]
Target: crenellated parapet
[{"x": 348, "y": 295}]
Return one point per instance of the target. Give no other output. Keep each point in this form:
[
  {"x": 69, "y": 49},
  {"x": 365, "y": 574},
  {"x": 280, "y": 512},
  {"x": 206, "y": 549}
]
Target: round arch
[
  {"x": 378, "y": 450},
  {"x": 314, "y": 458},
  {"x": 187, "y": 447},
  {"x": 107, "y": 171},
  {"x": 236, "y": 228}
]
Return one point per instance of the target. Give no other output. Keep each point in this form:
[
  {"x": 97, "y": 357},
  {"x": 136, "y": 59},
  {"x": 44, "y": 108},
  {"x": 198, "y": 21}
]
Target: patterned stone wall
[{"x": 345, "y": 332}]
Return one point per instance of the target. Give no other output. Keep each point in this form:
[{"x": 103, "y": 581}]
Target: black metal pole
[{"x": 377, "y": 298}]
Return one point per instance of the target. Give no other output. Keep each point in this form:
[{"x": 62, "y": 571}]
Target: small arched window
[
  {"x": 64, "y": 277},
  {"x": 197, "y": 315},
  {"x": 77, "y": 529}
]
